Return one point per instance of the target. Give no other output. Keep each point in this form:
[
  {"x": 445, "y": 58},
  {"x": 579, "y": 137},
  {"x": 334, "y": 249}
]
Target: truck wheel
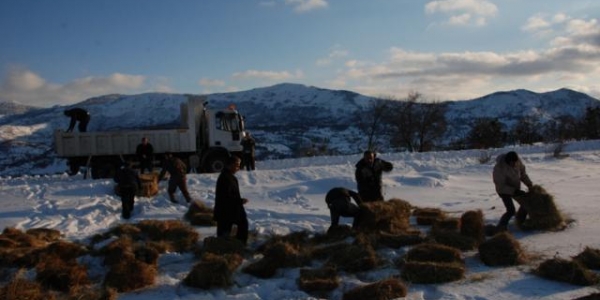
[{"x": 215, "y": 164}]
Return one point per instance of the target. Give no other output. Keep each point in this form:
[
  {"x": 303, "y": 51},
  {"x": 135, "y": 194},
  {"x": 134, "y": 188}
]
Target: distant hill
[{"x": 282, "y": 118}]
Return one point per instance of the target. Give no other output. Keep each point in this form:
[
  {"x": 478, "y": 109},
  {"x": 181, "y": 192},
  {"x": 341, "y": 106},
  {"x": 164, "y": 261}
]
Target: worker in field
[
  {"x": 508, "y": 174},
  {"x": 128, "y": 183},
  {"x": 249, "y": 159},
  {"x": 78, "y": 115},
  {"x": 177, "y": 170},
  {"x": 145, "y": 154},
  {"x": 229, "y": 205},
  {"x": 339, "y": 202},
  {"x": 368, "y": 176}
]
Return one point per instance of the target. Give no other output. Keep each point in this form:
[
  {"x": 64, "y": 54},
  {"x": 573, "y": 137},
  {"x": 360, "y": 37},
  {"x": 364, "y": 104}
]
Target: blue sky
[{"x": 65, "y": 51}]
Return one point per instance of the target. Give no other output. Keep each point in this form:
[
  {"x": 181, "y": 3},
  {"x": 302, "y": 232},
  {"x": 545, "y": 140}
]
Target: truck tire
[{"x": 215, "y": 164}]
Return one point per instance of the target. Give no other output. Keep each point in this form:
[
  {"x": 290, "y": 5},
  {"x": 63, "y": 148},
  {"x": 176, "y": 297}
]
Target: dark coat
[
  {"x": 368, "y": 178},
  {"x": 229, "y": 205},
  {"x": 339, "y": 199},
  {"x": 127, "y": 177},
  {"x": 145, "y": 152},
  {"x": 176, "y": 168},
  {"x": 77, "y": 115},
  {"x": 249, "y": 145}
]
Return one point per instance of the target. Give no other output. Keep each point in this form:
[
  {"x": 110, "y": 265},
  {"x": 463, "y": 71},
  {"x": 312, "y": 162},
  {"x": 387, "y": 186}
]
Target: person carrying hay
[
  {"x": 508, "y": 174},
  {"x": 338, "y": 201}
]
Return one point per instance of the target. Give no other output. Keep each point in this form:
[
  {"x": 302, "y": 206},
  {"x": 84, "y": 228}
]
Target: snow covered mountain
[{"x": 283, "y": 118}]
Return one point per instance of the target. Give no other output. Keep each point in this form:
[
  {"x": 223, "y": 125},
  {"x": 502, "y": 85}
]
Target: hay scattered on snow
[
  {"x": 355, "y": 258},
  {"x": 60, "y": 275},
  {"x": 130, "y": 275},
  {"x": 502, "y": 250},
  {"x": 213, "y": 271},
  {"x": 432, "y": 272},
  {"x": 434, "y": 253},
  {"x": 453, "y": 239},
  {"x": 589, "y": 257},
  {"x": 276, "y": 256},
  {"x": 446, "y": 224},
  {"x": 472, "y": 225},
  {"x": 382, "y": 290},
  {"x": 542, "y": 211},
  {"x": 569, "y": 271},
  {"x": 318, "y": 280},
  {"x": 199, "y": 214},
  {"x": 400, "y": 240}
]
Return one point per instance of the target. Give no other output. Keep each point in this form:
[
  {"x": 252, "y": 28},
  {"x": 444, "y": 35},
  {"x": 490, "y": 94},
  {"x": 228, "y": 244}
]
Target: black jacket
[
  {"x": 127, "y": 177},
  {"x": 229, "y": 205},
  {"x": 368, "y": 177}
]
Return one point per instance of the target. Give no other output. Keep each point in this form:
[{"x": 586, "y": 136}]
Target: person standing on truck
[
  {"x": 248, "y": 143},
  {"x": 145, "y": 154},
  {"x": 128, "y": 184},
  {"x": 229, "y": 204},
  {"x": 177, "y": 171},
  {"x": 78, "y": 115}
]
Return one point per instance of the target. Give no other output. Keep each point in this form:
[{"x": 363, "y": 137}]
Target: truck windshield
[{"x": 228, "y": 121}]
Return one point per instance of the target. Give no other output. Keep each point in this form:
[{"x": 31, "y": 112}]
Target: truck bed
[{"x": 84, "y": 144}]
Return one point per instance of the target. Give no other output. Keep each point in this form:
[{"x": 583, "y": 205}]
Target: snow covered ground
[{"x": 288, "y": 195}]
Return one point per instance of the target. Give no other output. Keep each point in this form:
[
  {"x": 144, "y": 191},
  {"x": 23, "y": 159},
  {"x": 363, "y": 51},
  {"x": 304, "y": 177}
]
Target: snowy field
[{"x": 288, "y": 195}]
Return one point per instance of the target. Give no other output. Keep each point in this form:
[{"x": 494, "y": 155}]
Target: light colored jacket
[{"x": 508, "y": 179}]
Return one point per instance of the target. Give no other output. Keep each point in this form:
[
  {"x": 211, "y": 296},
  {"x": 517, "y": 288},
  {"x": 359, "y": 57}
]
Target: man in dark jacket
[
  {"x": 248, "y": 143},
  {"x": 128, "y": 185},
  {"x": 78, "y": 115},
  {"x": 229, "y": 205},
  {"x": 145, "y": 154},
  {"x": 177, "y": 171},
  {"x": 338, "y": 201},
  {"x": 368, "y": 176}
]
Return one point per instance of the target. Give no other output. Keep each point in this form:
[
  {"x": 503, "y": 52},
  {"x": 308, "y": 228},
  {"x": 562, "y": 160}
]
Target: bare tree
[
  {"x": 416, "y": 125},
  {"x": 370, "y": 121}
]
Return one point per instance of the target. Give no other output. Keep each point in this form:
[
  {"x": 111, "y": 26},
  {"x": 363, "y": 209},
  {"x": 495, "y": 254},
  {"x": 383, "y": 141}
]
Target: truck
[{"x": 205, "y": 139}]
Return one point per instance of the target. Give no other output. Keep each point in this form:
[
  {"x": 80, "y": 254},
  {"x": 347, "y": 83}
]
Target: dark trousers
[
  {"x": 248, "y": 161},
  {"x": 180, "y": 183},
  {"x": 343, "y": 208},
  {"x": 224, "y": 229},
  {"x": 510, "y": 211},
  {"x": 145, "y": 164},
  {"x": 127, "y": 200},
  {"x": 371, "y": 195},
  {"x": 82, "y": 126}
]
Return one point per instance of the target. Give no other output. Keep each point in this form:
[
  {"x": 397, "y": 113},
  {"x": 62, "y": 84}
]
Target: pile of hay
[
  {"x": 318, "y": 280},
  {"x": 276, "y": 256},
  {"x": 426, "y": 216},
  {"x": 589, "y": 257},
  {"x": 213, "y": 271},
  {"x": 400, "y": 240},
  {"x": 129, "y": 275},
  {"x": 432, "y": 263},
  {"x": 569, "y": 271},
  {"x": 58, "y": 274},
  {"x": 223, "y": 245},
  {"x": 389, "y": 216},
  {"x": 453, "y": 239},
  {"x": 199, "y": 214},
  {"x": 445, "y": 224},
  {"x": 382, "y": 290},
  {"x": 355, "y": 258},
  {"x": 542, "y": 211},
  {"x": 502, "y": 250},
  {"x": 472, "y": 225},
  {"x": 149, "y": 186}
]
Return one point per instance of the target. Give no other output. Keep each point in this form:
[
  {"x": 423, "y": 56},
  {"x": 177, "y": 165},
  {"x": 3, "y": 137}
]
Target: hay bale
[
  {"x": 426, "y": 216},
  {"x": 589, "y": 257},
  {"x": 223, "y": 245},
  {"x": 276, "y": 256},
  {"x": 180, "y": 236},
  {"x": 355, "y": 258},
  {"x": 60, "y": 275},
  {"x": 390, "y": 216},
  {"x": 382, "y": 290},
  {"x": 472, "y": 225},
  {"x": 432, "y": 272},
  {"x": 318, "y": 280},
  {"x": 453, "y": 239},
  {"x": 146, "y": 253},
  {"x": 117, "y": 251},
  {"x": 149, "y": 186},
  {"x": 434, "y": 253},
  {"x": 502, "y": 250},
  {"x": 569, "y": 271},
  {"x": 20, "y": 288},
  {"x": 213, "y": 271},
  {"x": 66, "y": 250},
  {"x": 45, "y": 234},
  {"x": 199, "y": 214},
  {"x": 542, "y": 211},
  {"x": 130, "y": 275},
  {"x": 445, "y": 224},
  {"x": 22, "y": 239},
  {"x": 400, "y": 240},
  {"x": 326, "y": 251}
]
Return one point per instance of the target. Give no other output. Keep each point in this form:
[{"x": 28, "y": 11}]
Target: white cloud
[
  {"x": 268, "y": 75},
  {"x": 307, "y": 5},
  {"x": 206, "y": 82},
  {"x": 333, "y": 55},
  {"x": 463, "y": 12},
  {"x": 26, "y": 87}
]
